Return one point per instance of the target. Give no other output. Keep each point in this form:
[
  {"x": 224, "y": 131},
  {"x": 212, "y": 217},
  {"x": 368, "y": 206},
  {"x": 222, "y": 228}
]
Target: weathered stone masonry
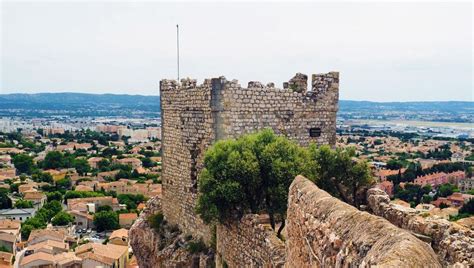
[
  {"x": 323, "y": 231},
  {"x": 194, "y": 116}
]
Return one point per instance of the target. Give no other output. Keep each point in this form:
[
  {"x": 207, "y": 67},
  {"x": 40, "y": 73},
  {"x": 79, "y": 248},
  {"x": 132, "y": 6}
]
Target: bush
[
  {"x": 156, "y": 221},
  {"x": 196, "y": 247}
]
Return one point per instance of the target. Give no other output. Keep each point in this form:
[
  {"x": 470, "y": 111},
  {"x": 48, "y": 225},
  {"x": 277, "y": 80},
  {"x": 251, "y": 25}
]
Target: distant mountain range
[{"x": 81, "y": 104}]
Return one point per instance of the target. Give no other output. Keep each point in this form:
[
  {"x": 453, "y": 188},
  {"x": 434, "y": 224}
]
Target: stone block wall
[
  {"x": 323, "y": 231},
  {"x": 194, "y": 116},
  {"x": 453, "y": 243},
  {"x": 249, "y": 243}
]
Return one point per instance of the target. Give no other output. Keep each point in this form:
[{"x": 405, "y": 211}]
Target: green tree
[
  {"x": 62, "y": 218},
  {"x": 394, "y": 164},
  {"x": 26, "y": 230},
  {"x": 337, "y": 172},
  {"x": 82, "y": 166},
  {"x": 106, "y": 220},
  {"x": 5, "y": 201},
  {"x": 64, "y": 184},
  {"x": 148, "y": 163},
  {"x": 104, "y": 208},
  {"x": 56, "y": 195},
  {"x": 467, "y": 208},
  {"x": 23, "y": 163},
  {"x": 53, "y": 159},
  {"x": 447, "y": 189},
  {"x": 21, "y": 203},
  {"x": 250, "y": 174},
  {"x": 42, "y": 177}
]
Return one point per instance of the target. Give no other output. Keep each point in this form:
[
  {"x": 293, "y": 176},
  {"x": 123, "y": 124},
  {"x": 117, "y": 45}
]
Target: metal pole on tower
[{"x": 177, "y": 46}]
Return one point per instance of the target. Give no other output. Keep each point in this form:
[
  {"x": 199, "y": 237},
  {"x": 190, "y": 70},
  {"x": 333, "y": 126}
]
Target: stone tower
[{"x": 194, "y": 116}]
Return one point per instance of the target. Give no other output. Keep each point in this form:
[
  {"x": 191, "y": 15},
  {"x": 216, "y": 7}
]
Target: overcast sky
[{"x": 384, "y": 51}]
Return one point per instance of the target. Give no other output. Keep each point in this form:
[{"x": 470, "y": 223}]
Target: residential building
[
  {"x": 134, "y": 162},
  {"x": 119, "y": 237},
  {"x": 8, "y": 172},
  {"x": 126, "y": 219},
  {"x": 48, "y": 246},
  {"x": 94, "y": 161},
  {"x": 82, "y": 220},
  {"x": 8, "y": 241},
  {"x": 98, "y": 255},
  {"x": 6, "y": 259},
  {"x": 466, "y": 184},
  {"x": 93, "y": 203},
  {"x": 37, "y": 198},
  {"x": 387, "y": 186},
  {"x": 21, "y": 214},
  {"x": 40, "y": 235}
]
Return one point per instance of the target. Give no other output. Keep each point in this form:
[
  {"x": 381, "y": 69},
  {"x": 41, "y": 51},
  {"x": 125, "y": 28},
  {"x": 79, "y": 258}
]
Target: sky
[{"x": 383, "y": 51}]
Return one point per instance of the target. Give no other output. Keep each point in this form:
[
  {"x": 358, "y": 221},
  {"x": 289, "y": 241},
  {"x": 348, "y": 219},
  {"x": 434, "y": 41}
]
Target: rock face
[
  {"x": 453, "y": 243},
  {"x": 196, "y": 115},
  {"x": 325, "y": 232},
  {"x": 166, "y": 248},
  {"x": 249, "y": 243}
]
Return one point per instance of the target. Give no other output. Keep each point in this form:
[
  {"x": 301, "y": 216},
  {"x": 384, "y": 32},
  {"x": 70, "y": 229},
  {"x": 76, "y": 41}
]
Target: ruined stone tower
[{"x": 194, "y": 116}]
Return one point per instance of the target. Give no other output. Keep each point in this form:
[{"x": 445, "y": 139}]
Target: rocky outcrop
[
  {"x": 453, "y": 243},
  {"x": 249, "y": 243},
  {"x": 166, "y": 247},
  {"x": 322, "y": 231}
]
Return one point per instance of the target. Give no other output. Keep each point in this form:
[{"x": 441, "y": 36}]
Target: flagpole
[{"x": 177, "y": 46}]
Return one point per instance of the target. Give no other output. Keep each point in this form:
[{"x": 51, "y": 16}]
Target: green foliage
[
  {"x": 104, "y": 208},
  {"x": 42, "y": 177},
  {"x": 77, "y": 194},
  {"x": 62, "y": 218},
  {"x": 5, "y": 249},
  {"x": 412, "y": 193},
  {"x": 148, "y": 163},
  {"x": 447, "y": 189},
  {"x": 196, "y": 247},
  {"x": 82, "y": 166},
  {"x": 56, "y": 195},
  {"x": 156, "y": 221},
  {"x": 337, "y": 172},
  {"x": 130, "y": 200},
  {"x": 250, "y": 174},
  {"x": 106, "y": 220},
  {"x": 23, "y": 163},
  {"x": 63, "y": 184},
  {"x": 14, "y": 187},
  {"x": 394, "y": 164},
  {"x": 21, "y": 203},
  {"x": 468, "y": 208},
  {"x": 443, "y": 205},
  {"x": 5, "y": 201},
  {"x": 26, "y": 230},
  {"x": 53, "y": 160}
]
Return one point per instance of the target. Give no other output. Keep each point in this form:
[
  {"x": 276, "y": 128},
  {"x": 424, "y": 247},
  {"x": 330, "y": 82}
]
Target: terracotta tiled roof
[
  {"x": 128, "y": 216},
  {"x": 9, "y": 224},
  {"x": 103, "y": 253},
  {"x": 60, "y": 235},
  {"x": 37, "y": 256},
  {"x": 49, "y": 243},
  {"x": 120, "y": 233}
]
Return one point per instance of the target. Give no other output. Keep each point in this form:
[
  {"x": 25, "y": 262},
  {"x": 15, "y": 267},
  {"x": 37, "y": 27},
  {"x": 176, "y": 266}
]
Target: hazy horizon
[{"x": 385, "y": 52}]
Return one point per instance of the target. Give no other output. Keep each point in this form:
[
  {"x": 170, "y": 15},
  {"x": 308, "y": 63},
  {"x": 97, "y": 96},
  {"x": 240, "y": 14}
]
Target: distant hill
[{"x": 81, "y": 104}]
